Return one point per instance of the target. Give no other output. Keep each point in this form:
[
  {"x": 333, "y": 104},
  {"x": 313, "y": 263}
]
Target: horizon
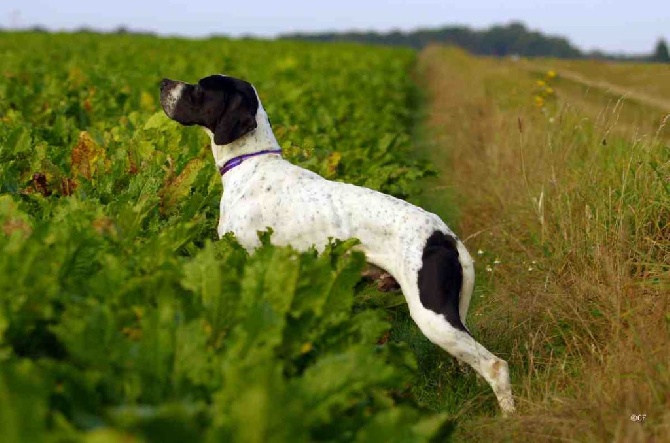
[{"x": 619, "y": 29}]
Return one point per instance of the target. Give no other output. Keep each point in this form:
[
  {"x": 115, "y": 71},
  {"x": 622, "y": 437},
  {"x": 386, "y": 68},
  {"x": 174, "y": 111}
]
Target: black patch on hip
[{"x": 441, "y": 278}]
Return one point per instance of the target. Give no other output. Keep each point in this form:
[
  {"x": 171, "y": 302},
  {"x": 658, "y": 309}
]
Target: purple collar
[{"x": 235, "y": 161}]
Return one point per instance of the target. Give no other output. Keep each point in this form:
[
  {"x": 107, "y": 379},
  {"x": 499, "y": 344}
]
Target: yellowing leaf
[
  {"x": 86, "y": 157},
  {"x": 332, "y": 162},
  {"x": 176, "y": 188},
  {"x": 12, "y": 219},
  {"x": 147, "y": 102},
  {"x": 287, "y": 63},
  {"x": 305, "y": 348},
  {"x": 76, "y": 77}
]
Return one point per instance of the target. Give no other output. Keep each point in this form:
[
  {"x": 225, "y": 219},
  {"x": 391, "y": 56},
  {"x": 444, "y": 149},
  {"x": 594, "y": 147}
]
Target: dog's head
[{"x": 226, "y": 106}]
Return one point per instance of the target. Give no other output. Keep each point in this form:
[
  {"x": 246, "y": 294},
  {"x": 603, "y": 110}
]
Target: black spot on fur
[{"x": 441, "y": 278}]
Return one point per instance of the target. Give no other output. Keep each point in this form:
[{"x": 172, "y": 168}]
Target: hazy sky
[{"x": 629, "y": 26}]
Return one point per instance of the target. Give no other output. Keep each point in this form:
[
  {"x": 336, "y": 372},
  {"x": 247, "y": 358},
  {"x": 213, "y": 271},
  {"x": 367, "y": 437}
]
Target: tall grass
[{"x": 570, "y": 225}]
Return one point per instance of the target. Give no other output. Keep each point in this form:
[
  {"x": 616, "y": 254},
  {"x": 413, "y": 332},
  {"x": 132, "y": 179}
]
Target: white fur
[
  {"x": 172, "y": 98},
  {"x": 304, "y": 209}
]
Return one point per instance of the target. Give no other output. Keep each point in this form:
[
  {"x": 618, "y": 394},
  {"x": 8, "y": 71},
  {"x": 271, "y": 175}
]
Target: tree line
[
  {"x": 512, "y": 39},
  {"x": 499, "y": 40}
]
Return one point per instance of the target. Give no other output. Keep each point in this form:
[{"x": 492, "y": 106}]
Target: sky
[{"x": 614, "y": 26}]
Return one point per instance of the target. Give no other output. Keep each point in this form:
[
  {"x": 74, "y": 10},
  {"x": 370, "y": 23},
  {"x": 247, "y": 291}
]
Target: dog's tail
[
  {"x": 446, "y": 278},
  {"x": 468, "y": 284}
]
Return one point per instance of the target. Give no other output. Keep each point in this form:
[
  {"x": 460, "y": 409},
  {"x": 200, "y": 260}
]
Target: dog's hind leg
[
  {"x": 433, "y": 294},
  {"x": 461, "y": 345}
]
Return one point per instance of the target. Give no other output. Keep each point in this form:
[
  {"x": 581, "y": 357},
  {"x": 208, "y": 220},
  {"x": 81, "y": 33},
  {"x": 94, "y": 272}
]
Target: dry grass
[
  {"x": 599, "y": 89},
  {"x": 573, "y": 222}
]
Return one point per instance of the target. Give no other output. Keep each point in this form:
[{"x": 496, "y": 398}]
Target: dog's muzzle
[{"x": 171, "y": 91}]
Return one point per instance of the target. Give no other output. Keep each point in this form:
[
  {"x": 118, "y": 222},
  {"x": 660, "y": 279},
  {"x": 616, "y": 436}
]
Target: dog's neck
[{"x": 260, "y": 139}]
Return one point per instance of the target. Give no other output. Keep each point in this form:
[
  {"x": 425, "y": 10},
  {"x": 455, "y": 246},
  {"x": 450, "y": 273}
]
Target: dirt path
[{"x": 606, "y": 87}]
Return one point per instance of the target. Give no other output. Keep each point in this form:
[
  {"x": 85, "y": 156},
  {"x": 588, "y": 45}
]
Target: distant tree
[
  {"x": 500, "y": 40},
  {"x": 661, "y": 54},
  {"x": 84, "y": 29},
  {"x": 38, "y": 29}
]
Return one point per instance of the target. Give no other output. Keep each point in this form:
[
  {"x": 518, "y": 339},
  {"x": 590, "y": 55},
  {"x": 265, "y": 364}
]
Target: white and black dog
[{"x": 262, "y": 190}]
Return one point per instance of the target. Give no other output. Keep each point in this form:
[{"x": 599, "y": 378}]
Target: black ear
[{"x": 239, "y": 116}]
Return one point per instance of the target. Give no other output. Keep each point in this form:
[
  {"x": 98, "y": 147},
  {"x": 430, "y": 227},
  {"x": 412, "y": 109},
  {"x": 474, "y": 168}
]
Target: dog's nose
[{"x": 164, "y": 83}]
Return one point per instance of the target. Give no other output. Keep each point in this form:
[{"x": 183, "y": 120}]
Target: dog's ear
[{"x": 239, "y": 115}]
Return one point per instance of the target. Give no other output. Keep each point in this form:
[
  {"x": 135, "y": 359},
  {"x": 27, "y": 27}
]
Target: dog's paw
[{"x": 507, "y": 406}]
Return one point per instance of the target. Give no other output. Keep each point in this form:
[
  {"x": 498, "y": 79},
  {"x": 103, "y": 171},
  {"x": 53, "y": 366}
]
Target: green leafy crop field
[{"x": 122, "y": 318}]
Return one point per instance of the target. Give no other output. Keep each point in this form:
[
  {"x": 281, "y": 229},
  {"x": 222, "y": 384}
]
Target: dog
[{"x": 261, "y": 189}]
